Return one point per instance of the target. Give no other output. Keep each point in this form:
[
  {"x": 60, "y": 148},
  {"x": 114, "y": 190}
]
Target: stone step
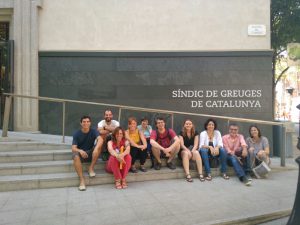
[
  {"x": 33, "y": 156},
  {"x": 29, "y": 146},
  {"x": 53, "y": 166},
  {"x": 55, "y": 180}
]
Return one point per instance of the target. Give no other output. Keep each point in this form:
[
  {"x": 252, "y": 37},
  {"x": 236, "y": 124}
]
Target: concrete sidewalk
[{"x": 174, "y": 202}]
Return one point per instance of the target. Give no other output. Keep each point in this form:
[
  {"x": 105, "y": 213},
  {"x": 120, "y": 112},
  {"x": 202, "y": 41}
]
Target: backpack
[{"x": 164, "y": 141}]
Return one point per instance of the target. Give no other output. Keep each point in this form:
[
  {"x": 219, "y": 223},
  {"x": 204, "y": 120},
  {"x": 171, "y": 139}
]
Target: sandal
[
  {"x": 124, "y": 183},
  {"x": 118, "y": 184},
  {"x": 225, "y": 176},
  {"x": 208, "y": 177},
  {"x": 133, "y": 169},
  {"x": 201, "y": 177},
  {"x": 189, "y": 178},
  {"x": 143, "y": 168}
]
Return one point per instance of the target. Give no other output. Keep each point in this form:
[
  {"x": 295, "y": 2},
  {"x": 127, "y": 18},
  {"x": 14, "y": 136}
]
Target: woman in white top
[{"x": 211, "y": 147}]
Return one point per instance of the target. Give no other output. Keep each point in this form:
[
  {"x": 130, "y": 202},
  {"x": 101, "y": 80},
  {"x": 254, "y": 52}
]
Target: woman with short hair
[{"x": 211, "y": 146}]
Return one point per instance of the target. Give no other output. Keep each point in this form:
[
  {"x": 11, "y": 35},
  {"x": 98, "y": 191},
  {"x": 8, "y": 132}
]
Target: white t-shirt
[{"x": 103, "y": 123}]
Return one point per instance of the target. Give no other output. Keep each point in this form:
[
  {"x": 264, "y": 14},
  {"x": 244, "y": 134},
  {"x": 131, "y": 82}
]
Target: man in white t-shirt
[{"x": 106, "y": 127}]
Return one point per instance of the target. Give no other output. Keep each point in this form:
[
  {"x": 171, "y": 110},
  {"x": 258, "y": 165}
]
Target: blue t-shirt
[{"x": 85, "y": 141}]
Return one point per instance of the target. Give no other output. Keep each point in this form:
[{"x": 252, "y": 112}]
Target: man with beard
[{"x": 105, "y": 128}]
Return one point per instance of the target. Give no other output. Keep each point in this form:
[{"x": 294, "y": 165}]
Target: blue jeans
[
  {"x": 233, "y": 161},
  {"x": 205, "y": 155}
]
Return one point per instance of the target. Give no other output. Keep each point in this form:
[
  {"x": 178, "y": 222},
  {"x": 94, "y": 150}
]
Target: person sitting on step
[
  {"x": 237, "y": 154},
  {"x": 189, "y": 142},
  {"x": 119, "y": 161},
  {"x": 138, "y": 145},
  {"x": 165, "y": 143},
  {"x": 85, "y": 150},
  {"x": 211, "y": 148}
]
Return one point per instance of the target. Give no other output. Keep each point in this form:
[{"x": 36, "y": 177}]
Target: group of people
[{"x": 139, "y": 142}]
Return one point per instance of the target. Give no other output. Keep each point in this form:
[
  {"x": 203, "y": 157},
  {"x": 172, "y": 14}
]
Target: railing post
[
  {"x": 283, "y": 146},
  {"x": 172, "y": 121},
  {"x": 63, "y": 121},
  {"x": 119, "y": 117},
  {"x": 8, "y": 100}
]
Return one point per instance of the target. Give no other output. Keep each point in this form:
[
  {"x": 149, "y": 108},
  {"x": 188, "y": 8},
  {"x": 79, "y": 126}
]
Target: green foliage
[
  {"x": 285, "y": 29},
  {"x": 285, "y": 24},
  {"x": 294, "y": 53}
]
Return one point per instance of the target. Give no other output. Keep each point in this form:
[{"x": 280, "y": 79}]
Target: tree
[{"x": 285, "y": 29}]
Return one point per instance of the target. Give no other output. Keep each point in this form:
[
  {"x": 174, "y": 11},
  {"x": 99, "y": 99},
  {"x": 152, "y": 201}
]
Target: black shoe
[
  {"x": 143, "y": 169},
  {"x": 249, "y": 177},
  {"x": 157, "y": 166},
  {"x": 171, "y": 166},
  {"x": 246, "y": 181},
  {"x": 133, "y": 170}
]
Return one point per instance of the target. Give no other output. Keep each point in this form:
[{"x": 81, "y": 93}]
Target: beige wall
[{"x": 152, "y": 25}]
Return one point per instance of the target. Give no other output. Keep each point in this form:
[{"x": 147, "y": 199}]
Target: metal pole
[
  {"x": 295, "y": 214},
  {"x": 119, "y": 118},
  {"x": 63, "y": 122},
  {"x": 172, "y": 121},
  {"x": 283, "y": 146},
  {"x": 6, "y": 115}
]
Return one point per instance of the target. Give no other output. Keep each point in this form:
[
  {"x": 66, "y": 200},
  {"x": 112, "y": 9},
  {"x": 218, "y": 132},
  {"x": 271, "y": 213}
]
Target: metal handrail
[
  {"x": 147, "y": 109},
  {"x": 64, "y": 101}
]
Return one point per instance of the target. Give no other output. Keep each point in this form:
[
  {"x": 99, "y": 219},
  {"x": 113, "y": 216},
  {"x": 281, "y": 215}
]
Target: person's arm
[
  {"x": 80, "y": 151},
  {"x": 144, "y": 142},
  {"x": 150, "y": 129},
  {"x": 196, "y": 143},
  {"x": 226, "y": 145},
  {"x": 243, "y": 145},
  {"x": 176, "y": 141},
  {"x": 114, "y": 124},
  {"x": 202, "y": 140},
  {"x": 265, "y": 144},
  {"x": 153, "y": 142},
  {"x": 111, "y": 150},
  {"x": 182, "y": 146},
  {"x": 101, "y": 128}
]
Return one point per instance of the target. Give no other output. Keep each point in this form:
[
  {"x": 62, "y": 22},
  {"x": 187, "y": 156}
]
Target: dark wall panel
[{"x": 149, "y": 79}]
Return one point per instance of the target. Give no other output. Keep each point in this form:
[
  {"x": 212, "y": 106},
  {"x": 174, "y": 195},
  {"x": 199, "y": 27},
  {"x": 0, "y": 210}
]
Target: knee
[
  {"x": 184, "y": 154},
  {"x": 76, "y": 158},
  {"x": 251, "y": 150},
  {"x": 222, "y": 152},
  {"x": 203, "y": 151}
]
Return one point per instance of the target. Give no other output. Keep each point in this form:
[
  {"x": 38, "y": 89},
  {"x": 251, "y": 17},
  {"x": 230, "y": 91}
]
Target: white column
[{"x": 25, "y": 35}]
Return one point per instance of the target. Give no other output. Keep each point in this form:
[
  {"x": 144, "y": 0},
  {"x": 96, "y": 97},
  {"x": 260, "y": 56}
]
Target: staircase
[{"x": 26, "y": 164}]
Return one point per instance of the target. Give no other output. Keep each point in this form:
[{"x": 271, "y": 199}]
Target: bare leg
[
  {"x": 174, "y": 151},
  {"x": 78, "y": 167},
  {"x": 156, "y": 154},
  {"x": 197, "y": 158},
  {"x": 185, "y": 155},
  {"x": 95, "y": 157}
]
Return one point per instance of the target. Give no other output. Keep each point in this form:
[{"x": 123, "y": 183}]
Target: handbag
[{"x": 262, "y": 170}]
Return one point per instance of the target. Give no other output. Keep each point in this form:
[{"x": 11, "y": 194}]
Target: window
[{"x": 4, "y": 31}]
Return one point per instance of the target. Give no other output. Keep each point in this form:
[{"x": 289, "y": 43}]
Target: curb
[{"x": 258, "y": 219}]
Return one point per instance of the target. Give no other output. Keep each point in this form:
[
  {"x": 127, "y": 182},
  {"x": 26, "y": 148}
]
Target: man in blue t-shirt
[{"x": 86, "y": 147}]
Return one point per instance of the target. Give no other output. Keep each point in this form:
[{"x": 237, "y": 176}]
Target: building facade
[{"x": 199, "y": 56}]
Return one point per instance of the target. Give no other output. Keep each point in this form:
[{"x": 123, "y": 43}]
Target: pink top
[{"x": 233, "y": 144}]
